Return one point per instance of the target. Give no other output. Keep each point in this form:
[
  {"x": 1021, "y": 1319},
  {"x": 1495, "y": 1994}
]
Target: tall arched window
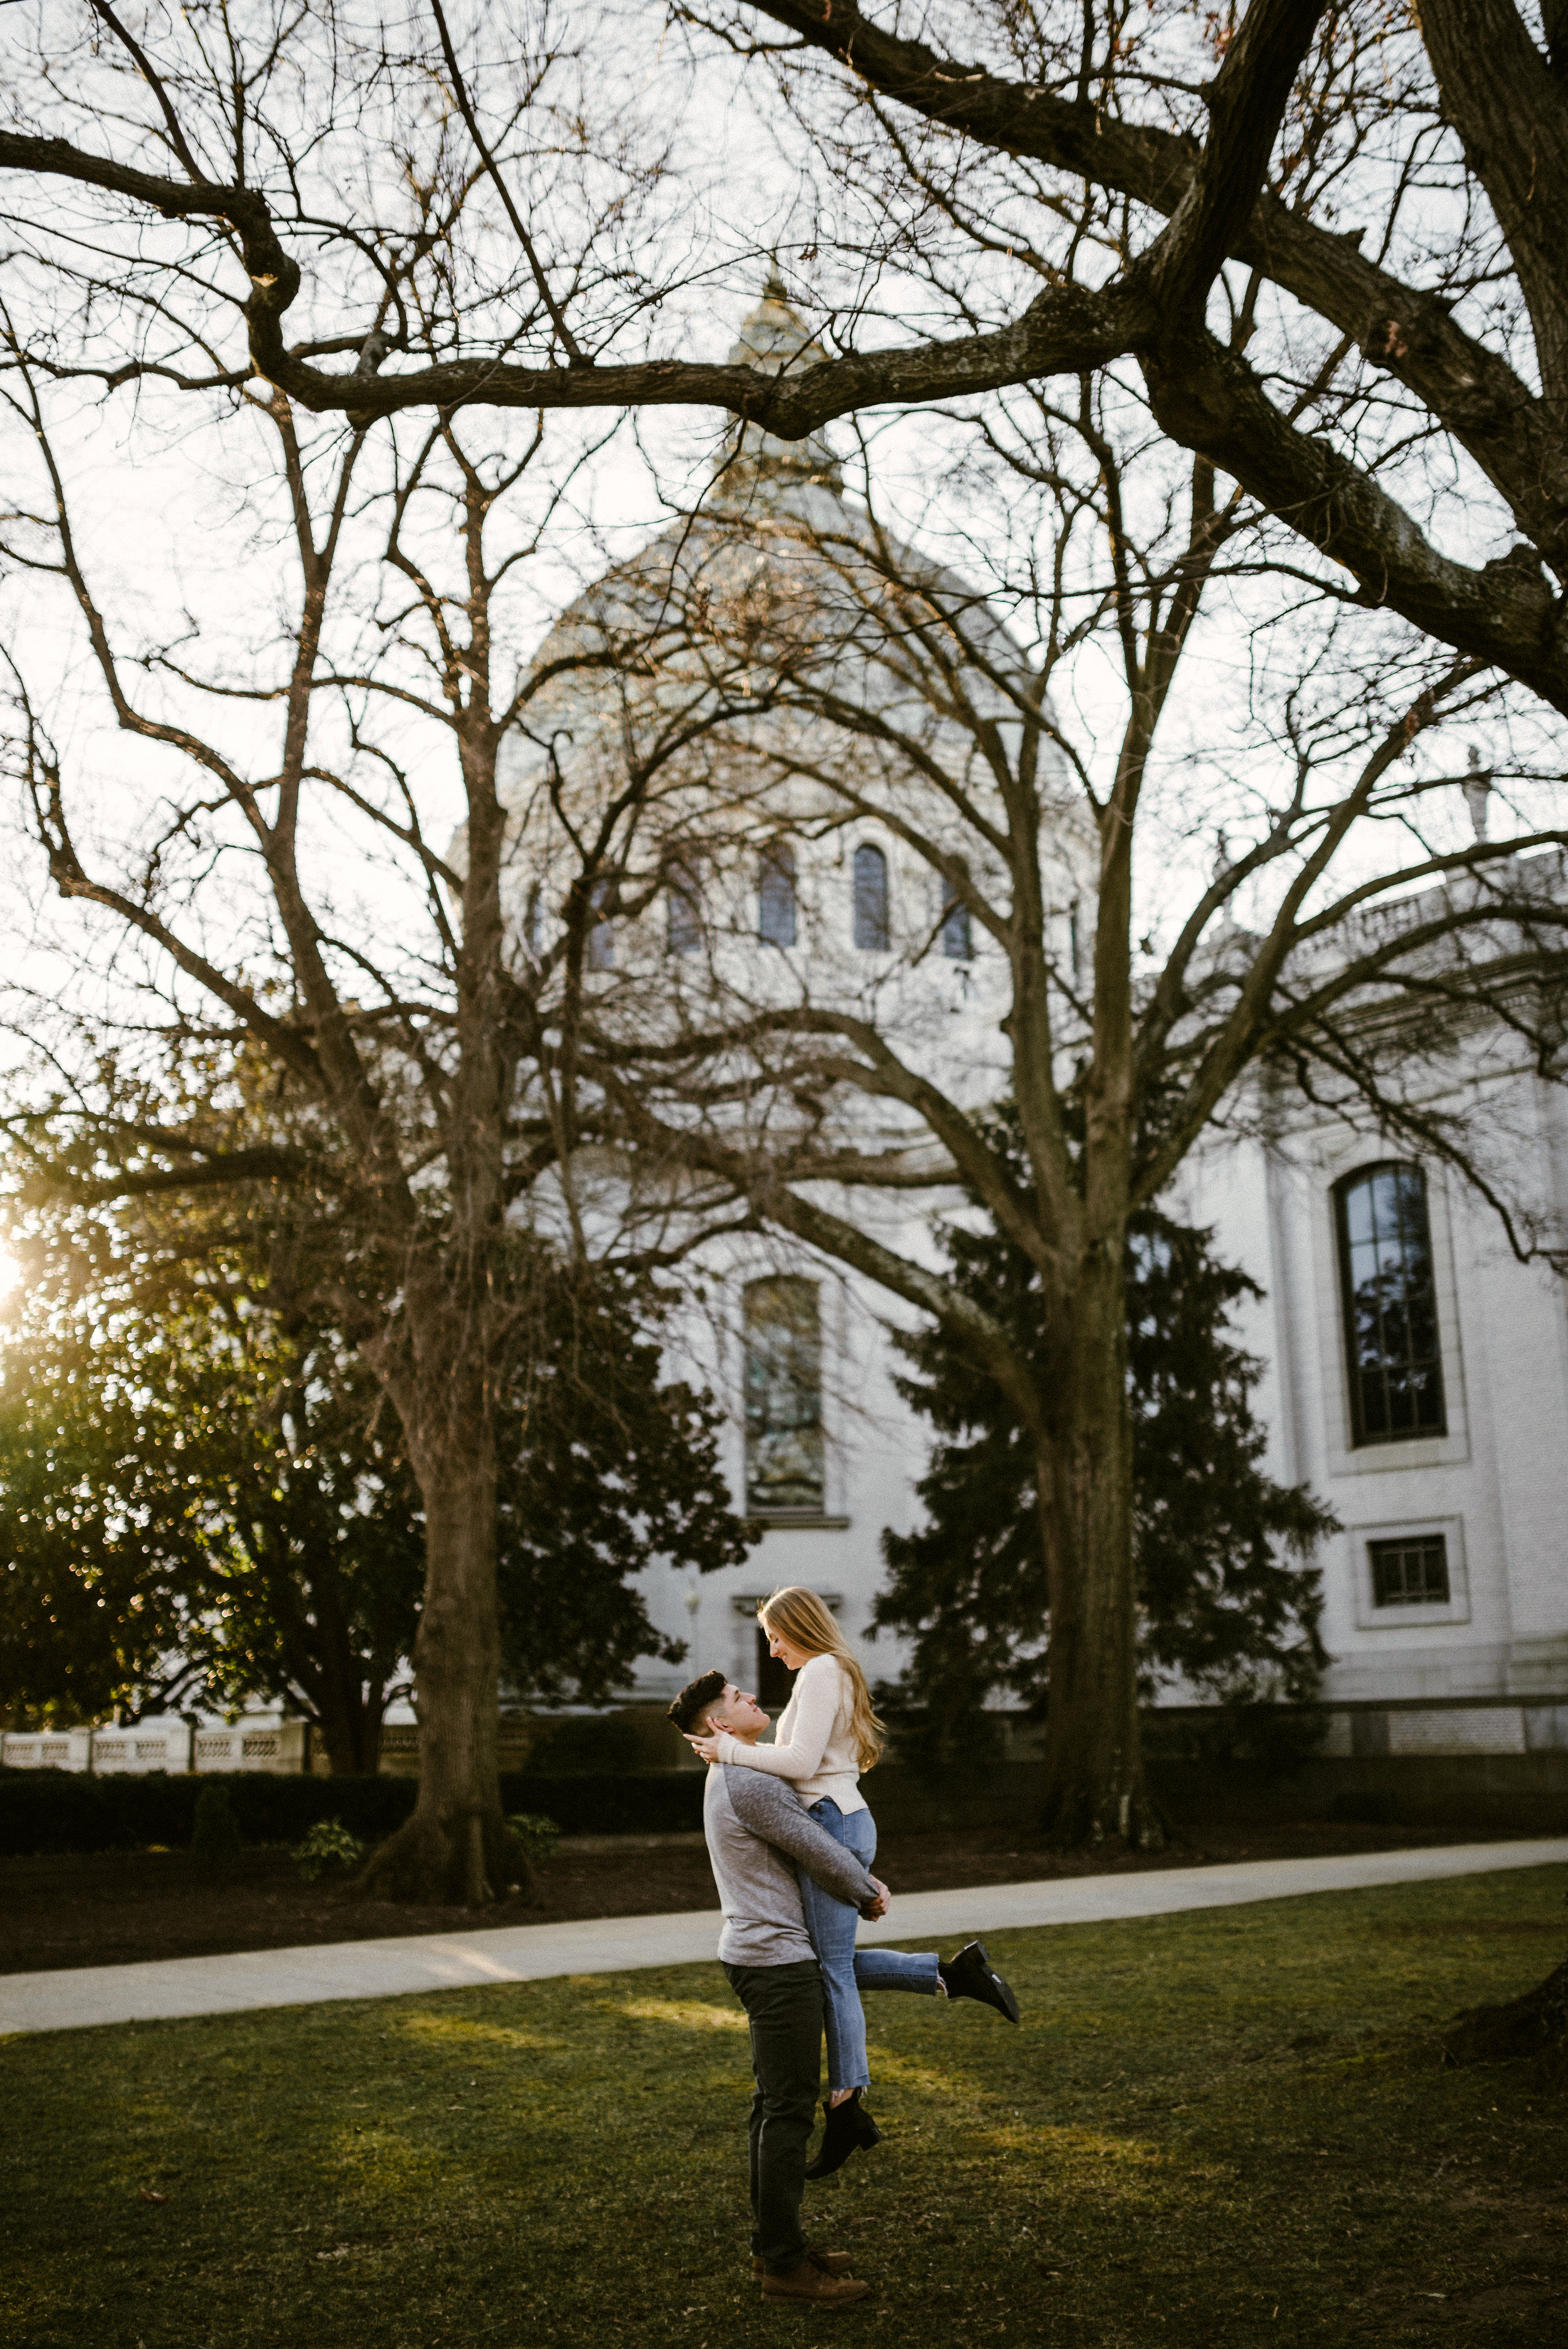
[
  {"x": 1390, "y": 1305},
  {"x": 871, "y": 898},
  {"x": 955, "y": 938},
  {"x": 684, "y": 934},
  {"x": 776, "y": 896},
  {"x": 783, "y": 1397}
]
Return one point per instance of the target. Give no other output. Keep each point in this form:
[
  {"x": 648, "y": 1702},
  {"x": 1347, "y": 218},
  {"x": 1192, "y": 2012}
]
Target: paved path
[{"x": 602, "y": 1945}]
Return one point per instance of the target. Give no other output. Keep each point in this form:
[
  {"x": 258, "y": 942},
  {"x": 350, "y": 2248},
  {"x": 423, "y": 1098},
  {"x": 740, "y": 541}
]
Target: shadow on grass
[{"x": 1224, "y": 2127}]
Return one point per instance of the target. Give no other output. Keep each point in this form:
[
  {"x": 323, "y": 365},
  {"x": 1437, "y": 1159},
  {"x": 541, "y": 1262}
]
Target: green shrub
[
  {"x": 328, "y": 1849},
  {"x": 941, "y": 1749},
  {"x": 587, "y": 1745},
  {"x": 1253, "y": 1742},
  {"x": 215, "y": 1839},
  {"x": 651, "y": 1801},
  {"x": 63, "y": 1810},
  {"x": 537, "y": 1834},
  {"x": 60, "y": 1810}
]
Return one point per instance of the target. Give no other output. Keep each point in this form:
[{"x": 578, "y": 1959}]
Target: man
[{"x": 757, "y": 1833}]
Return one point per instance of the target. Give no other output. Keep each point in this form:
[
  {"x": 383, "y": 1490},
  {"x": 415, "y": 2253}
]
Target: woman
[{"x": 827, "y": 1734}]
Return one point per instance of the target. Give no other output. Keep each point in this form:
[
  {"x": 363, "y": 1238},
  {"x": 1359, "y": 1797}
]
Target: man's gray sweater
[{"x": 757, "y": 1830}]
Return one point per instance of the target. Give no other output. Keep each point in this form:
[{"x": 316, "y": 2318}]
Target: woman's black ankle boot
[{"x": 849, "y": 2129}]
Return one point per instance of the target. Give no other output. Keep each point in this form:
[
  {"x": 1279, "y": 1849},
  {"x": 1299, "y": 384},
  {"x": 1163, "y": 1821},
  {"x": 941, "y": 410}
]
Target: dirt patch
[{"x": 124, "y": 1907}]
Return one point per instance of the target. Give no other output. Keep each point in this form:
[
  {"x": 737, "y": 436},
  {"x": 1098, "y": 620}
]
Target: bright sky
[{"x": 161, "y": 508}]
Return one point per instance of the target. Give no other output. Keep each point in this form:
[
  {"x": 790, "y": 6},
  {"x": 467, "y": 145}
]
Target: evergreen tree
[
  {"x": 1229, "y": 1599},
  {"x": 602, "y": 1469}
]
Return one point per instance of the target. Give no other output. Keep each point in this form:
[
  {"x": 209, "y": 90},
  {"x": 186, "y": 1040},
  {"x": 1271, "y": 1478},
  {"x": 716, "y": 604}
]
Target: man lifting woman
[{"x": 791, "y": 1839}]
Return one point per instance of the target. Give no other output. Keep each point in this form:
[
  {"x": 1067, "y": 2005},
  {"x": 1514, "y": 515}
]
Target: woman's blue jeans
[{"x": 846, "y": 1971}]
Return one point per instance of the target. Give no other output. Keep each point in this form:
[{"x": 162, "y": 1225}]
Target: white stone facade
[
  {"x": 1483, "y": 1670},
  {"x": 1476, "y": 1511},
  {"x": 1493, "y": 1483}
]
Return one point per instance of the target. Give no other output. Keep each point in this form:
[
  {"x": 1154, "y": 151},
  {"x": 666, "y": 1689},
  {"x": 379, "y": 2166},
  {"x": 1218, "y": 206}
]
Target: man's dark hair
[{"x": 694, "y": 1699}]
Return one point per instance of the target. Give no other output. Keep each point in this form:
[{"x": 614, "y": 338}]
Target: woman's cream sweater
[{"x": 813, "y": 1746}]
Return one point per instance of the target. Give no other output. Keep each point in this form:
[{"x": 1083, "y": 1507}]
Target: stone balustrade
[{"x": 248, "y": 1745}]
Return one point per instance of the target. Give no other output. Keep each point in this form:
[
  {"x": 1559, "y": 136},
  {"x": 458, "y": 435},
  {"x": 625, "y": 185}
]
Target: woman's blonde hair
[{"x": 799, "y": 1616}]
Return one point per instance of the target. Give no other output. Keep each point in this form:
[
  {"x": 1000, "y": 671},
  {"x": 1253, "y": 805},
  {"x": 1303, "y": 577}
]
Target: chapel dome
[{"x": 775, "y": 558}]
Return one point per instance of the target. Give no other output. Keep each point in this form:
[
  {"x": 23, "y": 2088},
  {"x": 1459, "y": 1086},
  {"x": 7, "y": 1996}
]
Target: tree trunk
[
  {"x": 352, "y": 1735},
  {"x": 456, "y": 1846},
  {"x": 1535, "y": 2024},
  {"x": 346, "y": 1690},
  {"x": 1095, "y": 1791}
]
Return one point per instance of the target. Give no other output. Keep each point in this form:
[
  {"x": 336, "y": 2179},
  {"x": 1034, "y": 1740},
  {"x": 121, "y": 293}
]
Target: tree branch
[{"x": 1406, "y": 332}]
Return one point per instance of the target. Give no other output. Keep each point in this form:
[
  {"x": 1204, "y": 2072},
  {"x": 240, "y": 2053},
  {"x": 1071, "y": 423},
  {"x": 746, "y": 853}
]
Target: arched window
[
  {"x": 783, "y": 1397},
  {"x": 601, "y": 933},
  {"x": 776, "y": 896},
  {"x": 871, "y": 898},
  {"x": 534, "y": 925},
  {"x": 955, "y": 938},
  {"x": 1390, "y": 1305},
  {"x": 684, "y": 933}
]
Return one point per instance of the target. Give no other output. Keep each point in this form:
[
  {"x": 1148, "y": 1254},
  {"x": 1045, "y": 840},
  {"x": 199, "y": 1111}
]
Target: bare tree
[
  {"x": 961, "y": 848},
  {"x": 285, "y": 896}
]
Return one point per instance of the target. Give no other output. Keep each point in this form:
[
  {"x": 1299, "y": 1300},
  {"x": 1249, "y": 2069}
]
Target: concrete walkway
[{"x": 605, "y": 1945}]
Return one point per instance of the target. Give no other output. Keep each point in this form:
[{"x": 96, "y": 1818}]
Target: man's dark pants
[{"x": 784, "y": 2007}]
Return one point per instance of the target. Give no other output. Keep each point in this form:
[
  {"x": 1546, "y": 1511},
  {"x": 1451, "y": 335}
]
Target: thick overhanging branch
[
  {"x": 1405, "y": 331},
  {"x": 1204, "y": 396},
  {"x": 217, "y": 1170},
  {"x": 1505, "y": 614},
  {"x": 770, "y": 1191},
  {"x": 1246, "y": 101},
  {"x": 1064, "y": 330},
  {"x": 1505, "y": 101},
  {"x": 967, "y": 1322}
]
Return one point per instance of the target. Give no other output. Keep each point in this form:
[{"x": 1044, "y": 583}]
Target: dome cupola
[{"x": 774, "y": 338}]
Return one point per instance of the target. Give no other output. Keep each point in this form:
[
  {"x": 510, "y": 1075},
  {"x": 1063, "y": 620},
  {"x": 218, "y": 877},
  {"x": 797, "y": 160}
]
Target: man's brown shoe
[
  {"x": 810, "y": 2282},
  {"x": 831, "y": 2263}
]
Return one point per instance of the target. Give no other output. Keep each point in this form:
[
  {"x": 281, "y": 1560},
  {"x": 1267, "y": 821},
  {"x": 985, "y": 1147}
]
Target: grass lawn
[{"x": 1219, "y": 2128}]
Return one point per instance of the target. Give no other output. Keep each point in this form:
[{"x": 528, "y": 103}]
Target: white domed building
[{"x": 753, "y": 865}]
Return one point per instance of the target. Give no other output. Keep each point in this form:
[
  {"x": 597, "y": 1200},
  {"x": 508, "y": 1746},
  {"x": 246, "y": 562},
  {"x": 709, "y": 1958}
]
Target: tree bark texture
[
  {"x": 1094, "y": 1784},
  {"x": 456, "y": 1844},
  {"x": 351, "y": 1731}
]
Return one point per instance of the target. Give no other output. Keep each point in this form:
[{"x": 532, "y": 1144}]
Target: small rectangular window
[
  {"x": 1412, "y": 1571},
  {"x": 956, "y": 937}
]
